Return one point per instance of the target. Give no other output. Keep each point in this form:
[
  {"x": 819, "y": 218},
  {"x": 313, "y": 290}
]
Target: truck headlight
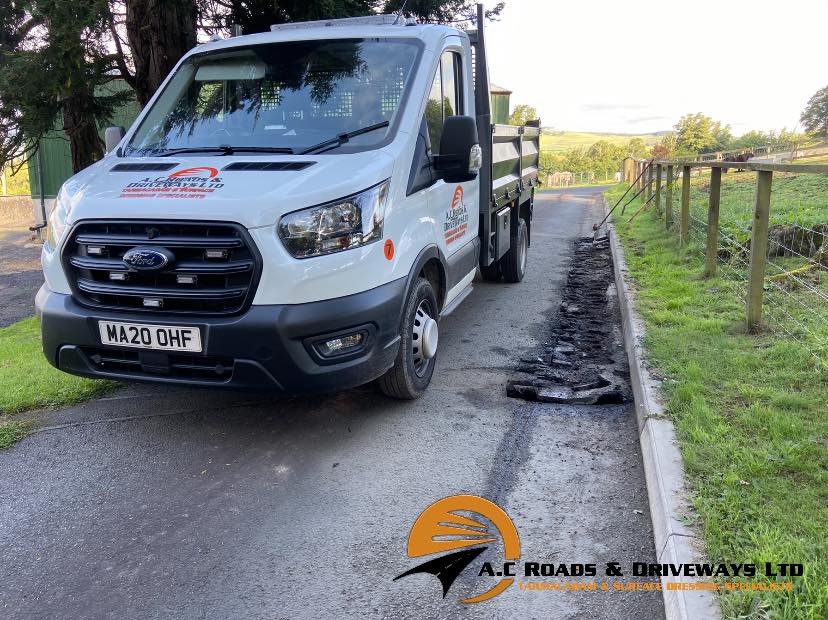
[
  {"x": 57, "y": 220},
  {"x": 340, "y": 225}
]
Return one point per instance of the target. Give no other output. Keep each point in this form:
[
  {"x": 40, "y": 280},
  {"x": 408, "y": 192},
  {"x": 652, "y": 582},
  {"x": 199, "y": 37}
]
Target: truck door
[{"x": 453, "y": 206}]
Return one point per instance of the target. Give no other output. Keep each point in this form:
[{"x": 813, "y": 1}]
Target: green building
[
  {"x": 54, "y": 159},
  {"x": 500, "y": 104}
]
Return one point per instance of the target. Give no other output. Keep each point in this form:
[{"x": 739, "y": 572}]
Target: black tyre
[
  {"x": 411, "y": 373},
  {"x": 513, "y": 263},
  {"x": 491, "y": 273}
]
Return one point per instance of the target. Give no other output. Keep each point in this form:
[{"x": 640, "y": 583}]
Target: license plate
[{"x": 143, "y": 336}]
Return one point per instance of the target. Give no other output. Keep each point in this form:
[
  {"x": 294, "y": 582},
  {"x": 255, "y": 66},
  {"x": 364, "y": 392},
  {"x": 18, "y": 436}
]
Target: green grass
[
  {"x": 750, "y": 416},
  {"x": 561, "y": 141},
  {"x": 11, "y": 432},
  {"x": 29, "y": 382},
  {"x": 795, "y": 198}
]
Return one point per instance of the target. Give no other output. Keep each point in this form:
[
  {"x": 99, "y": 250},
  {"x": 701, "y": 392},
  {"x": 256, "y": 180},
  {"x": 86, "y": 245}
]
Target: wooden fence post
[
  {"x": 649, "y": 193},
  {"x": 684, "y": 221},
  {"x": 758, "y": 250},
  {"x": 658, "y": 190},
  {"x": 668, "y": 198},
  {"x": 712, "y": 250}
]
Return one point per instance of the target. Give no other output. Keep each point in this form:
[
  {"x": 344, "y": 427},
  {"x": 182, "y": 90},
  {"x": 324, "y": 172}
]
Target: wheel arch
[{"x": 432, "y": 264}]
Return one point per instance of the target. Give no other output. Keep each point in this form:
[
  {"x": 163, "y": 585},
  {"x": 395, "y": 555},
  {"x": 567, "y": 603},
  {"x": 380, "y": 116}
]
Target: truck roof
[{"x": 348, "y": 28}]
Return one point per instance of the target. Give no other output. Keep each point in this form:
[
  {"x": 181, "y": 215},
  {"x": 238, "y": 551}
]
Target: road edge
[{"x": 675, "y": 542}]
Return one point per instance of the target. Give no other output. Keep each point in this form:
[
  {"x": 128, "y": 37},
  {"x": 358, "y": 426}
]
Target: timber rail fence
[{"x": 764, "y": 228}]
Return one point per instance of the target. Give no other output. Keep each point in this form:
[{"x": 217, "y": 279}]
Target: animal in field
[{"x": 739, "y": 158}]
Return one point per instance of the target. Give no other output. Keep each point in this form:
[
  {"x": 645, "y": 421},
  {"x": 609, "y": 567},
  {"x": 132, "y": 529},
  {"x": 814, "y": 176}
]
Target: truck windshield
[{"x": 285, "y": 96}]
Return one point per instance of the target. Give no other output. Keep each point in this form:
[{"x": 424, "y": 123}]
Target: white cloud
[{"x": 608, "y": 66}]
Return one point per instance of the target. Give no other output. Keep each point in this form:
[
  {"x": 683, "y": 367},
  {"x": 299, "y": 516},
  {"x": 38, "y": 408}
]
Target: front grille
[
  {"x": 182, "y": 366},
  {"x": 224, "y": 283}
]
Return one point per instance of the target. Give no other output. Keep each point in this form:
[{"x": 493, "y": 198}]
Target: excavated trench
[{"x": 583, "y": 362}]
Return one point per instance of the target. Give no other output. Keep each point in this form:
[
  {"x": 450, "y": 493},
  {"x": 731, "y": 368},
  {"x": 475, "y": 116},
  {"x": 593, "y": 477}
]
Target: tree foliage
[
  {"x": 442, "y": 11},
  {"x": 599, "y": 161},
  {"x": 160, "y": 32},
  {"x": 815, "y": 115},
  {"x": 258, "y": 15},
  {"x": 57, "y": 56},
  {"x": 636, "y": 148},
  {"x": 53, "y": 63},
  {"x": 698, "y": 133},
  {"x": 522, "y": 114}
]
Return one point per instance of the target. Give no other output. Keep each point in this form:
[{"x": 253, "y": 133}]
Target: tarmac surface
[
  {"x": 20, "y": 274},
  {"x": 164, "y": 502}
]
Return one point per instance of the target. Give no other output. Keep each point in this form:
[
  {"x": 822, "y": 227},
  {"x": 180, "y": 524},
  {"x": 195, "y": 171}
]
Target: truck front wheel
[
  {"x": 411, "y": 373},
  {"x": 513, "y": 263}
]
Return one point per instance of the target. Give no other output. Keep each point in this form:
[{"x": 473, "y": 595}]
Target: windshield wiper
[
  {"x": 342, "y": 138},
  {"x": 260, "y": 149},
  {"x": 226, "y": 149}
]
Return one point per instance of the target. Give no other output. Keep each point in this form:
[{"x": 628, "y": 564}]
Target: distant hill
[{"x": 559, "y": 141}]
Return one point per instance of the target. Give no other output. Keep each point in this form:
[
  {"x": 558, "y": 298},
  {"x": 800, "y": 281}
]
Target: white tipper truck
[{"x": 293, "y": 210}]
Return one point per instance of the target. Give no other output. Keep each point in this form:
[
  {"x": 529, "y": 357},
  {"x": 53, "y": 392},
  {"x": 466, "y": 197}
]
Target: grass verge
[
  {"x": 750, "y": 416},
  {"x": 29, "y": 382},
  {"x": 11, "y": 432}
]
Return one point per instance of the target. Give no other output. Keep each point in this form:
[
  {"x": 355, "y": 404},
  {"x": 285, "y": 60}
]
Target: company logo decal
[
  {"x": 147, "y": 259},
  {"x": 454, "y": 532},
  {"x": 197, "y": 182},
  {"x": 441, "y": 527},
  {"x": 199, "y": 171},
  {"x": 388, "y": 249},
  {"x": 456, "y": 221}
]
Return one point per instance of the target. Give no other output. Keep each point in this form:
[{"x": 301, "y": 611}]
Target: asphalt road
[
  {"x": 20, "y": 274},
  {"x": 197, "y": 504}
]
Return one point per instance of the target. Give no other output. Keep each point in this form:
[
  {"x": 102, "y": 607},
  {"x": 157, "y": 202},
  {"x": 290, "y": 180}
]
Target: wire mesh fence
[{"x": 782, "y": 210}]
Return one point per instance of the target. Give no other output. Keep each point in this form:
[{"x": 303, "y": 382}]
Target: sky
[{"x": 619, "y": 67}]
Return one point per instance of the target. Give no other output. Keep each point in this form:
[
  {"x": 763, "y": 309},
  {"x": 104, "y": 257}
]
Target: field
[
  {"x": 14, "y": 184},
  {"x": 560, "y": 141},
  {"x": 796, "y": 198},
  {"x": 749, "y": 409}
]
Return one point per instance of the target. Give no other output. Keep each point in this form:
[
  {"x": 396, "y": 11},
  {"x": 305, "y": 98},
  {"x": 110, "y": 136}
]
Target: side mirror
[
  {"x": 460, "y": 155},
  {"x": 112, "y": 136}
]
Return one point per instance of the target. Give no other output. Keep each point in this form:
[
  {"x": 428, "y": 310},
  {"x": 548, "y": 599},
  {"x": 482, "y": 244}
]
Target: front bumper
[{"x": 267, "y": 347}]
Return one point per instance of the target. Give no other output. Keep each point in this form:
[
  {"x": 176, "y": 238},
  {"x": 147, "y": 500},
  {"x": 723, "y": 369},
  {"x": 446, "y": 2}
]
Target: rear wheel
[
  {"x": 412, "y": 370},
  {"x": 513, "y": 263}
]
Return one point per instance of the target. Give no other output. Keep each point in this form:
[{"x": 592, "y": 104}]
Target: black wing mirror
[{"x": 460, "y": 155}]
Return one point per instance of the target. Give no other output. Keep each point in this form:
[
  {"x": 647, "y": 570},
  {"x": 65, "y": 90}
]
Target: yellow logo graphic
[{"x": 440, "y": 528}]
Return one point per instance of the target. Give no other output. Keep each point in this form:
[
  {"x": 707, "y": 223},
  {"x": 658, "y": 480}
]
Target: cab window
[{"x": 445, "y": 97}]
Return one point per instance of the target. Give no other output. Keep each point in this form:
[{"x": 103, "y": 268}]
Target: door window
[
  {"x": 450, "y": 72},
  {"x": 444, "y": 98},
  {"x": 434, "y": 113}
]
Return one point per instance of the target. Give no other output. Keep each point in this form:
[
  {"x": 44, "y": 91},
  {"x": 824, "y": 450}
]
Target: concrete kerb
[{"x": 675, "y": 542}]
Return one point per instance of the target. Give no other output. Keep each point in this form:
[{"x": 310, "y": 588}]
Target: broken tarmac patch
[{"x": 583, "y": 362}]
